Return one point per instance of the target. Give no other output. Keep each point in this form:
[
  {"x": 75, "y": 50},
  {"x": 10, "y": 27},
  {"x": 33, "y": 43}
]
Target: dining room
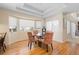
[
  {"x": 17, "y": 25},
  {"x": 31, "y": 29}
]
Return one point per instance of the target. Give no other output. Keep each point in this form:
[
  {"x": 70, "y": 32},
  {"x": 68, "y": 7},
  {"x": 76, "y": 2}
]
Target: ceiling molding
[
  {"x": 40, "y": 10},
  {"x": 20, "y": 11},
  {"x": 28, "y": 11},
  {"x": 31, "y": 7}
]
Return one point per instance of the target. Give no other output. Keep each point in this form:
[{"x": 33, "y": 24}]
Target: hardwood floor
[
  {"x": 21, "y": 48},
  {"x": 65, "y": 48}
]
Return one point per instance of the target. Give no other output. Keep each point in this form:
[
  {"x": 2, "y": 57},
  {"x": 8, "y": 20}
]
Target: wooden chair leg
[
  {"x": 0, "y": 50},
  {"x": 30, "y": 46},
  {"x": 47, "y": 47},
  {"x": 4, "y": 46},
  {"x": 52, "y": 46}
]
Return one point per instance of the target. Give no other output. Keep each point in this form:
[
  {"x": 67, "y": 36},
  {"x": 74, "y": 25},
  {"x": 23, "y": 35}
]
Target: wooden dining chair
[
  {"x": 2, "y": 44},
  {"x": 48, "y": 39},
  {"x": 31, "y": 39}
]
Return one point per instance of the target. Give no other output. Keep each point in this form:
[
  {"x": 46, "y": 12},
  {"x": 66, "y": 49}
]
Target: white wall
[
  {"x": 58, "y": 33},
  {"x": 17, "y": 36},
  {"x": 3, "y": 28}
]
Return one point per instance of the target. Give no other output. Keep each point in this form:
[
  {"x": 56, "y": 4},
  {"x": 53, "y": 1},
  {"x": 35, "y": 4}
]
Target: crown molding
[{"x": 30, "y": 10}]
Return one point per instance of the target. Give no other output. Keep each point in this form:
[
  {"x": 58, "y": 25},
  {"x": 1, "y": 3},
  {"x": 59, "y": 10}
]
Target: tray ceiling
[{"x": 41, "y": 9}]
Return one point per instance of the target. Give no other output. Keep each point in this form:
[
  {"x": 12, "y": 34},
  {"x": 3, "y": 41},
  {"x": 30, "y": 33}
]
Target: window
[
  {"x": 23, "y": 24},
  {"x": 12, "y": 24},
  {"x": 52, "y": 25},
  {"x": 38, "y": 24},
  {"x": 49, "y": 26},
  {"x": 26, "y": 24}
]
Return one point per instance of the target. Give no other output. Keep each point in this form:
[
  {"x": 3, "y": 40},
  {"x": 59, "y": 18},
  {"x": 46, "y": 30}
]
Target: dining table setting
[{"x": 41, "y": 39}]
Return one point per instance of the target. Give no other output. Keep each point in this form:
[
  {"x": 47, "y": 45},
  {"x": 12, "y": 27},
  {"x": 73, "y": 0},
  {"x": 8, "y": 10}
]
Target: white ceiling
[
  {"x": 41, "y": 9},
  {"x": 44, "y": 6}
]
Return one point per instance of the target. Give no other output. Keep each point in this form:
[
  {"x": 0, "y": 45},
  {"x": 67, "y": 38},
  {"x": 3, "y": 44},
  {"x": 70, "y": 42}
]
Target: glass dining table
[{"x": 40, "y": 41}]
